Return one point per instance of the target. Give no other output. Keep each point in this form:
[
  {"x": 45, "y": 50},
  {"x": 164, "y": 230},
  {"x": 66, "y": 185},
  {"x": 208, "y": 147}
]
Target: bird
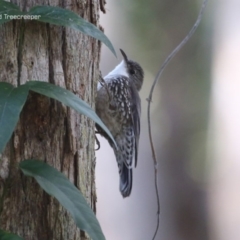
[{"x": 118, "y": 105}]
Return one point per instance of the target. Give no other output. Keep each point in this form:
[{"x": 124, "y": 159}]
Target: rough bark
[{"x": 47, "y": 130}]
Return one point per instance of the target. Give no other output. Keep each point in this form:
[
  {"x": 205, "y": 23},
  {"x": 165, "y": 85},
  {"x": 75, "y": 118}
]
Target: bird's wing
[{"x": 135, "y": 117}]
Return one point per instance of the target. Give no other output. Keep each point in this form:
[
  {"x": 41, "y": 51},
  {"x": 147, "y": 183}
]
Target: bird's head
[{"x": 134, "y": 71}]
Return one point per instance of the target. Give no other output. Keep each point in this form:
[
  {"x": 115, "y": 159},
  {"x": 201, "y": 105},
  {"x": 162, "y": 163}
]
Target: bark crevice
[{"x": 20, "y": 50}]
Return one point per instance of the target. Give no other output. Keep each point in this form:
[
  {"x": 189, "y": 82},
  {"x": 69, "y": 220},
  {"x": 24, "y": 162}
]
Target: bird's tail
[
  {"x": 125, "y": 181},
  {"x": 125, "y": 156}
]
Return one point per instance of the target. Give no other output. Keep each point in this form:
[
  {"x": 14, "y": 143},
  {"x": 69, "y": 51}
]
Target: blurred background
[{"x": 195, "y": 118}]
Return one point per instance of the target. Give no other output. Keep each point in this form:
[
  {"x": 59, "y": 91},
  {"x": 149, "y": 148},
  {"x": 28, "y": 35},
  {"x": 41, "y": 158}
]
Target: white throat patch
[{"x": 120, "y": 69}]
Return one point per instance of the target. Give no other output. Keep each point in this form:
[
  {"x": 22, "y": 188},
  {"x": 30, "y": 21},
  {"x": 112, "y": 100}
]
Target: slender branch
[{"x": 149, "y": 99}]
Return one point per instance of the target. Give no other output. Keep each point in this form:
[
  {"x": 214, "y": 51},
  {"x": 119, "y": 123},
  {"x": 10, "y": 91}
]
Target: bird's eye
[{"x": 131, "y": 71}]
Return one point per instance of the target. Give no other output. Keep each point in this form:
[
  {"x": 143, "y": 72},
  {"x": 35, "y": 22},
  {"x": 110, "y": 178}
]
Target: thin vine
[{"x": 149, "y": 99}]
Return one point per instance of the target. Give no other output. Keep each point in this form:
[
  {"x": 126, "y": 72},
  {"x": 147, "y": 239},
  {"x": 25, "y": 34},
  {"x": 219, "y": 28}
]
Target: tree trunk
[{"x": 47, "y": 130}]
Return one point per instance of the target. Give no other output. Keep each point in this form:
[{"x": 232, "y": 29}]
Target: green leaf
[
  {"x": 57, "y": 185},
  {"x": 8, "y": 236},
  {"x": 12, "y": 101},
  {"x": 69, "y": 99},
  {"x": 67, "y": 18},
  {"x": 8, "y": 9}
]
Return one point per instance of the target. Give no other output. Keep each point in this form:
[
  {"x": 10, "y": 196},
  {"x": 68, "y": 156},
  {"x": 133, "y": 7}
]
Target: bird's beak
[{"x": 124, "y": 56}]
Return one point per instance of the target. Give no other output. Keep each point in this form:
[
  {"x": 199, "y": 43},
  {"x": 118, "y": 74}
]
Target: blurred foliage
[{"x": 159, "y": 27}]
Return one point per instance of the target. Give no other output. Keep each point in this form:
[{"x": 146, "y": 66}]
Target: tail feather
[
  {"x": 125, "y": 156},
  {"x": 125, "y": 181}
]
